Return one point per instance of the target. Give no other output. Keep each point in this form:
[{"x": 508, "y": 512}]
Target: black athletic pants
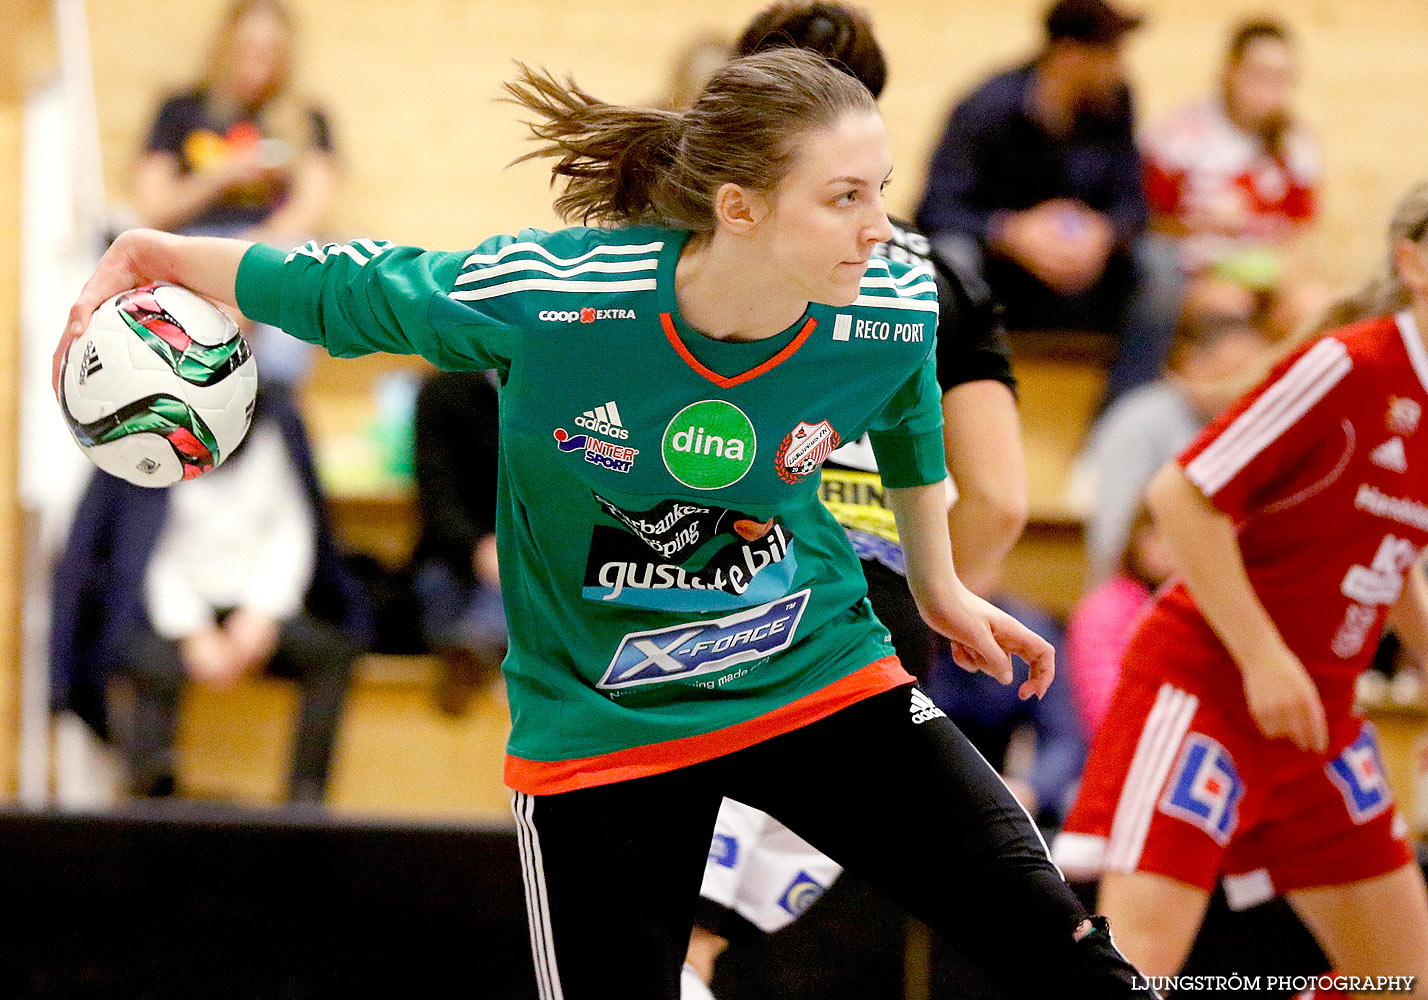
[{"x": 613, "y": 872}]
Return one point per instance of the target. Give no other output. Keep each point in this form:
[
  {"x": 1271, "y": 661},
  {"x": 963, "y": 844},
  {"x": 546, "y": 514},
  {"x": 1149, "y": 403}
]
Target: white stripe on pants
[
  {"x": 537, "y": 904},
  {"x": 1160, "y": 739}
]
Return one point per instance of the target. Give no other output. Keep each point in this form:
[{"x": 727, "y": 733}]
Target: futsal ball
[{"x": 160, "y": 387}]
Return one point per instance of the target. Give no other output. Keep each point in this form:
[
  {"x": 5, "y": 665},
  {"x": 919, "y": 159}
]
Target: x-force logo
[{"x": 697, "y": 648}]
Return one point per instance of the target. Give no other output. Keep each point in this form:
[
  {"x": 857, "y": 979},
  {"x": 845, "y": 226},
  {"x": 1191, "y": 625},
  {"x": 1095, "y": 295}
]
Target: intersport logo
[{"x": 588, "y": 314}]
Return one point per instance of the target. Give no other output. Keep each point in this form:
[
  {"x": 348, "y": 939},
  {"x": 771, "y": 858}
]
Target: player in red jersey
[{"x": 1298, "y": 520}]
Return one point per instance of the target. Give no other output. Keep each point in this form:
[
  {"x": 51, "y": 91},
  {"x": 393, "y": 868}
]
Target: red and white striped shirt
[
  {"x": 1323, "y": 471},
  {"x": 1197, "y": 158}
]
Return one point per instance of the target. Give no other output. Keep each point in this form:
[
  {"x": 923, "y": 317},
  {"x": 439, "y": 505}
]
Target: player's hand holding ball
[{"x": 156, "y": 383}]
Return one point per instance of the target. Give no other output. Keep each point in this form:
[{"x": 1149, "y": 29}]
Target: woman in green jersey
[{"x": 687, "y": 621}]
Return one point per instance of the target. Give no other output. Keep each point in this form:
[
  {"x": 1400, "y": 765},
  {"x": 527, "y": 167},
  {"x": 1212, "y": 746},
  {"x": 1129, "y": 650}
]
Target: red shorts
[{"x": 1185, "y": 785}]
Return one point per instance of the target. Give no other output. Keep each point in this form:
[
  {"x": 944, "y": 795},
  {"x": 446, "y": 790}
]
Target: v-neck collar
[
  {"x": 713, "y": 358},
  {"x": 1413, "y": 342}
]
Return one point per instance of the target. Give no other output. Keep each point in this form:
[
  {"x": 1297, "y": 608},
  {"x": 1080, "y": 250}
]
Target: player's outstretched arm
[
  {"x": 1282, "y": 699},
  {"x": 982, "y": 636},
  {"x": 207, "y": 265}
]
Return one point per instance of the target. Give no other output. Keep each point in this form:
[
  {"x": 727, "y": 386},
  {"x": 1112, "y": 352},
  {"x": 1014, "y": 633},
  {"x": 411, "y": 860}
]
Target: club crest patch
[{"x": 804, "y": 449}]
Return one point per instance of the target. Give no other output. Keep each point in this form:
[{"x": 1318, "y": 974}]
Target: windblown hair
[
  {"x": 645, "y": 166},
  {"x": 840, "y": 33}
]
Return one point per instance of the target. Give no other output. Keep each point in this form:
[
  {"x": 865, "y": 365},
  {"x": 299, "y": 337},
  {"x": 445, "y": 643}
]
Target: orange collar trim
[{"x": 725, "y": 382}]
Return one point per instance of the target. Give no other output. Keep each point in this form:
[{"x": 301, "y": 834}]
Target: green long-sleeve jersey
[{"x": 674, "y": 588}]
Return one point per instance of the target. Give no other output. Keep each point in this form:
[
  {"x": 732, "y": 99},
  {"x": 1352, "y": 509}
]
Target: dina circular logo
[{"x": 709, "y": 445}]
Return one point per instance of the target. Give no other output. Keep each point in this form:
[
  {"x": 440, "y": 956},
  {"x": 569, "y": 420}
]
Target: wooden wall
[
  {"x": 411, "y": 86},
  {"x": 29, "y": 46}
]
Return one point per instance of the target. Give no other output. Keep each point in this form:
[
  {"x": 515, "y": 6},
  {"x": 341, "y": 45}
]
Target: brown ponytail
[
  {"x": 644, "y": 166},
  {"x": 612, "y": 157}
]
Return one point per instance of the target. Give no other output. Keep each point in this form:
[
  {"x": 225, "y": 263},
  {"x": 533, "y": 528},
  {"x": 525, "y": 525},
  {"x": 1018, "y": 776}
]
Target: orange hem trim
[
  {"x": 724, "y": 381},
  {"x": 537, "y": 777}
]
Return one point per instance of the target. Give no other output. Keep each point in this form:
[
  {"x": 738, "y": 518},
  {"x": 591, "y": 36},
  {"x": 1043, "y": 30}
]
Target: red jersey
[
  {"x": 1323, "y": 472},
  {"x": 1197, "y": 158}
]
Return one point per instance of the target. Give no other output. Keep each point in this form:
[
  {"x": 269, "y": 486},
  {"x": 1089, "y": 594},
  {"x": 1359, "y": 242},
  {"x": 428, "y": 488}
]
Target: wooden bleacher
[
  {"x": 1060, "y": 376},
  {"x": 397, "y": 755}
]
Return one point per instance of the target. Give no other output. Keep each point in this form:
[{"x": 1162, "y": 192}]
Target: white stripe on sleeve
[
  {"x": 614, "y": 249},
  {"x": 593, "y": 266},
  {"x": 1279, "y": 408},
  {"x": 896, "y": 302},
  {"x": 554, "y": 285}
]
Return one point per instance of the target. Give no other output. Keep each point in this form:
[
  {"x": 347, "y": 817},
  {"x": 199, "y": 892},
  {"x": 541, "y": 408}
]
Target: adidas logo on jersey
[
  {"x": 1390, "y": 456},
  {"x": 603, "y": 420},
  {"x": 89, "y": 364},
  {"x": 922, "y": 708}
]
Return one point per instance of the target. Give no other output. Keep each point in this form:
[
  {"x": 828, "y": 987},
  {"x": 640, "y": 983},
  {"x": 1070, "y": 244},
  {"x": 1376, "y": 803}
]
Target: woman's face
[
  {"x": 1261, "y": 83},
  {"x": 827, "y": 214},
  {"x": 259, "y": 54}
]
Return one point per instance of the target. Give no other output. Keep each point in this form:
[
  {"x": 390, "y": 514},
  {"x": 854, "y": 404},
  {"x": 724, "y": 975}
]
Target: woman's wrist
[
  {"x": 149, "y": 252},
  {"x": 932, "y": 595}
]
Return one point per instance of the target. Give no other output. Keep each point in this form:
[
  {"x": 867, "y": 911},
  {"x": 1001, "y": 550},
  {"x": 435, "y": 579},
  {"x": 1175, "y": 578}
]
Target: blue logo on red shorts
[
  {"x": 1205, "y": 789},
  {"x": 1358, "y": 774}
]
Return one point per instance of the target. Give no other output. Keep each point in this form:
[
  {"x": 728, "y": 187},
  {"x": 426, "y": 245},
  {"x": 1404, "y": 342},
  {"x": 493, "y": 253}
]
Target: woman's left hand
[{"x": 984, "y": 638}]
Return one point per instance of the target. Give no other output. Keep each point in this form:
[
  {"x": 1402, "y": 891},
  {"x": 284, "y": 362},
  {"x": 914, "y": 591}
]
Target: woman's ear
[{"x": 739, "y": 209}]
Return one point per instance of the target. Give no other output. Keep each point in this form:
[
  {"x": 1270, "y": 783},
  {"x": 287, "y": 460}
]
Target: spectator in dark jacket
[{"x": 1037, "y": 185}]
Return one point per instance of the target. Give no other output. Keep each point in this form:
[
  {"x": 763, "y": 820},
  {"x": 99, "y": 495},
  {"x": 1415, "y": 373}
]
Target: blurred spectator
[
  {"x": 694, "y": 64},
  {"x": 1102, "y": 624},
  {"x": 1236, "y": 179},
  {"x": 1146, "y": 428},
  {"x": 239, "y": 154},
  {"x": 457, "y": 582},
  {"x": 1037, "y": 185},
  {"x": 226, "y": 575},
  {"x": 991, "y": 716}
]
